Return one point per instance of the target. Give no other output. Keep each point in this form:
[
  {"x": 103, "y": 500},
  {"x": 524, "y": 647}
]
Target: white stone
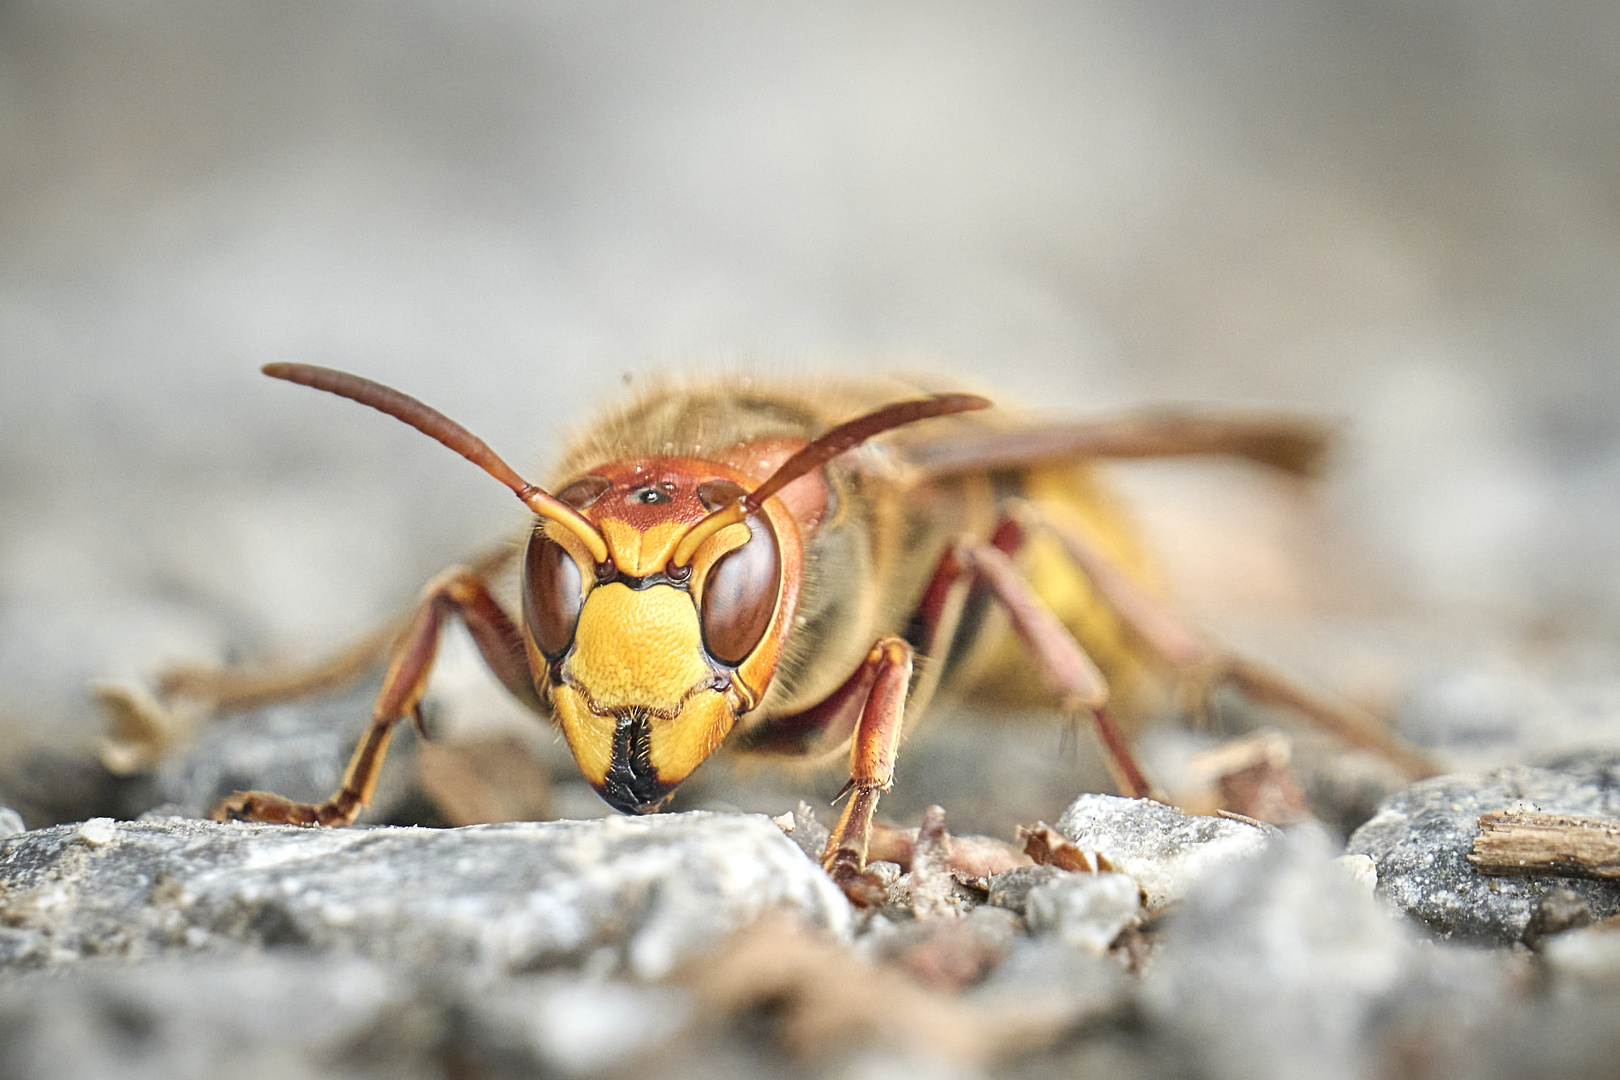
[
  {"x": 1361, "y": 869},
  {"x": 1085, "y": 910},
  {"x": 1163, "y": 848},
  {"x": 97, "y": 832},
  {"x": 490, "y": 899}
]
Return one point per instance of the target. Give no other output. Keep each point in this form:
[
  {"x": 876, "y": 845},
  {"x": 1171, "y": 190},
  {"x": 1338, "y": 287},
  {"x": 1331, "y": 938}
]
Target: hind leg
[{"x": 1206, "y": 663}]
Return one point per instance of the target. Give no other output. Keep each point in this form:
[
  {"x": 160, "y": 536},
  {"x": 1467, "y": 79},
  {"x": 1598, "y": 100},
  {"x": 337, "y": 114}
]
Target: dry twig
[
  {"x": 1048, "y": 847},
  {"x": 931, "y": 879},
  {"x": 975, "y": 856},
  {"x": 1528, "y": 842}
]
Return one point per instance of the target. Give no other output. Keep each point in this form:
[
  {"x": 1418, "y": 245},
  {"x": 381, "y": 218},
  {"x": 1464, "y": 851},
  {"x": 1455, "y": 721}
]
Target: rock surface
[
  {"x": 1010, "y": 889},
  {"x": 290, "y": 1017},
  {"x": 1421, "y": 838},
  {"x": 1166, "y": 850},
  {"x": 1567, "y": 1031},
  {"x": 297, "y": 1017},
  {"x": 1282, "y": 966},
  {"x": 177, "y": 949},
  {"x": 1087, "y": 911},
  {"x": 632, "y": 894}
]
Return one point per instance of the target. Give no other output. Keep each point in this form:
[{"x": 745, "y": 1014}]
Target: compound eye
[
  {"x": 739, "y": 596},
  {"x": 552, "y": 595}
]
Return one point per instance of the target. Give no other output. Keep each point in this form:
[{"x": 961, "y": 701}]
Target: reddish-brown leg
[
  {"x": 1080, "y": 687},
  {"x": 871, "y": 760},
  {"x": 886, "y": 674},
  {"x": 1192, "y": 654},
  {"x": 456, "y": 591}
]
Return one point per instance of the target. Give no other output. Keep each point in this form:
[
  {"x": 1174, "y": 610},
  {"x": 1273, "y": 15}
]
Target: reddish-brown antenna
[
  {"x": 836, "y": 441},
  {"x": 435, "y": 425}
]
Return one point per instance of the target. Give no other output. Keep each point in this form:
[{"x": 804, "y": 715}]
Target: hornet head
[{"x": 650, "y": 660}]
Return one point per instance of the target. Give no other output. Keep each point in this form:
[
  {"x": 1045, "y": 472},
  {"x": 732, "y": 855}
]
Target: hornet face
[{"x": 649, "y": 664}]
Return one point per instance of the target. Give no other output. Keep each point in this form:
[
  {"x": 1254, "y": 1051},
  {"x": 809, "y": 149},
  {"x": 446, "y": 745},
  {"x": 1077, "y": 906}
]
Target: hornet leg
[
  {"x": 1191, "y": 653},
  {"x": 871, "y": 762},
  {"x": 1071, "y": 674},
  {"x": 456, "y": 591}
]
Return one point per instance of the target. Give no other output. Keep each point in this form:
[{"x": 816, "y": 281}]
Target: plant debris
[
  {"x": 1047, "y": 847},
  {"x": 1529, "y": 842}
]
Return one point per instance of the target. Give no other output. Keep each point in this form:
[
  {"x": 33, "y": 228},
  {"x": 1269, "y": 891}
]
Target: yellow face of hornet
[{"x": 649, "y": 664}]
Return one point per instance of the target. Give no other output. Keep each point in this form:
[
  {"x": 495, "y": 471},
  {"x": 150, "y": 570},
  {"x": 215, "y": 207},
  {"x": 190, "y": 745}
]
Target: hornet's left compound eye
[
  {"x": 739, "y": 596},
  {"x": 552, "y": 595}
]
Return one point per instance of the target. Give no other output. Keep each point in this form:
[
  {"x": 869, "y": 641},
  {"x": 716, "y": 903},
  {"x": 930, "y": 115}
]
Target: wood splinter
[{"x": 1531, "y": 843}]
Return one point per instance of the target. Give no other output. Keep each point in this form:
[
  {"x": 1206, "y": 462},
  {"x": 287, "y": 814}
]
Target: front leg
[
  {"x": 456, "y": 591},
  {"x": 871, "y": 761}
]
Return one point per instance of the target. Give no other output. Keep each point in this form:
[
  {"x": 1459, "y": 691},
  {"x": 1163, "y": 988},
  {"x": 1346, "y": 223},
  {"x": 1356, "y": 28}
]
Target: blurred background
[{"x": 1403, "y": 216}]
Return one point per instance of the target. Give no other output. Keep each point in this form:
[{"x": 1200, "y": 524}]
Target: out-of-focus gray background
[{"x": 1403, "y": 215}]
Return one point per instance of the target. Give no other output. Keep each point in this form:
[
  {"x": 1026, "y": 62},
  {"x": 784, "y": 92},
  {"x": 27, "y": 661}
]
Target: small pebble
[
  {"x": 1010, "y": 889},
  {"x": 11, "y": 822},
  {"x": 1163, "y": 848},
  {"x": 97, "y": 832},
  {"x": 1558, "y": 912},
  {"x": 807, "y": 832},
  {"x": 1361, "y": 869},
  {"x": 1085, "y": 910},
  {"x": 887, "y": 873},
  {"x": 1421, "y": 837}
]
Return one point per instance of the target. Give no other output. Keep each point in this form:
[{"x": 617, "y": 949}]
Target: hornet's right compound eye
[{"x": 552, "y": 595}]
